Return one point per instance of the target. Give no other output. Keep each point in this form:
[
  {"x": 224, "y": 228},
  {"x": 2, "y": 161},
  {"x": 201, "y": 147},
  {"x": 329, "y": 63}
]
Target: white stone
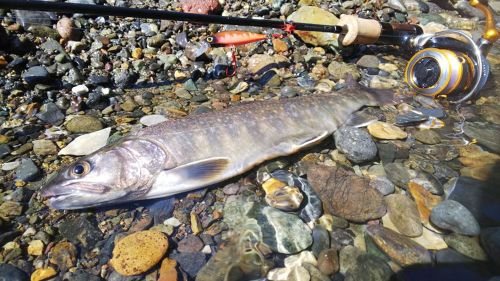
[
  {"x": 278, "y": 274},
  {"x": 299, "y": 259},
  {"x": 80, "y": 90},
  {"x": 207, "y": 250},
  {"x": 172, "y": 221},
  {"x": 430, "y": 240},
  {"x": 9, "y": 166},
  {"x": 87, "y": 144},
  {"x": 150, "y": 120}
]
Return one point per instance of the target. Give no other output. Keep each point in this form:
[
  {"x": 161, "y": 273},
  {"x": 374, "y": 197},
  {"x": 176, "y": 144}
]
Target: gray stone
[
  {"x": 81, "y": 230},
  {"x": 404, "y": 215},
  {"x": 368, "y": 61},
  {"x": 451, "y": 256},
  {"x": 485, "y": 133},
  {"x": 191, "y": 243},
  {"x": 51, "y": 114},
  {"x": 468, "y": 246},
  {"x": 36, "y": 75},
  {"x": 4, "y": 150},
  {"x": 191, "y": 262},
  {"x": 84, "y": 124},
  {"x": 453, "y": 216},
  {"x": 356, "y": 144},
  {"x": 490, "y": 239},
  {"x": 428, "y": 136},
  {"x": 369, "y": 268},
  {"x": 383, "y": 185},
  {"x": 11, "y": 273},
  {"x": 315, "y": 273},
  {"x": 398, "y": 174},
  {"x": 321, "y": 240},
  {"x": 81, "y": 275},
  {"x": 28, "y": 170}
]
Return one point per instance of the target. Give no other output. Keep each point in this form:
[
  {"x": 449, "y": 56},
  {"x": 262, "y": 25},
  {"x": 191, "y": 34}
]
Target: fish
[
  {"x": 235, "y": 38},
  {"x": 196, "y": 151}
]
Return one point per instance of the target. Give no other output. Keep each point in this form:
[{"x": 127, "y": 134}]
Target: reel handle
[
  {"x": 491, "y": 33},
  {"x": 367, "y": 31}
]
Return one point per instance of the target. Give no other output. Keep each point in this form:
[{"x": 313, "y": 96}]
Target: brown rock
[
  {"x": 386, "y": 131},
  {"x": 328, "y": 261},
  {"x": 63, "y": 255},
  {"x": 191, "y": 243},
  {"x": 66, "y": 29},
  {"x": 138, "y": 252},
  {"x": 43, "y": 274},
  {"x": 200, "y": 6},
  {"x": 399, "y": 248},
  {"x": 279, "y": 45},
  {"x": 345, "y": 194},
  {"x": 424, "y": 199},
  {"x": 404, "y": 214},
  {"x": 168, "y": 271}
]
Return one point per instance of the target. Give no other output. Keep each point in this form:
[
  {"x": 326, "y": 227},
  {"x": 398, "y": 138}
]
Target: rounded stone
[
  {"x": 83, "y": 124},
  {"x": 328, "y": 261},
  {"x": 386, "y": 131},
  {"x": 356, "y": 144},
  {"x": 138, "y": 252},
  {"x": 404, "y": 214},
  {"x": 453, "y": 216}
]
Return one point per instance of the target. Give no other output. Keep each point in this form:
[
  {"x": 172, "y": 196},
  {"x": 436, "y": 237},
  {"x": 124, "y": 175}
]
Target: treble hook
[{"x": 233, "y": 62}]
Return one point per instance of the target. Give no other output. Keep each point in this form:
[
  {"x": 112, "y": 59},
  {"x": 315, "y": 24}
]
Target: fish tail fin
[{"x": 376, "y": 97}]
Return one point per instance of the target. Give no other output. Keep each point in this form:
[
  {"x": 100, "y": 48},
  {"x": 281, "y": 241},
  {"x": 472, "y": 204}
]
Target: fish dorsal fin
[{"x": 189, "y": 176}]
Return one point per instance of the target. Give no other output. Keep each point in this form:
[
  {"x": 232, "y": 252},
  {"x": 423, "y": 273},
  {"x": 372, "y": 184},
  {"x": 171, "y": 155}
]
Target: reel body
[{"x": 449, "y": 63}]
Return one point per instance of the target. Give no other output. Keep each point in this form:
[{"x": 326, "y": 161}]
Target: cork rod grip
[{"x": 359, "y": 31}]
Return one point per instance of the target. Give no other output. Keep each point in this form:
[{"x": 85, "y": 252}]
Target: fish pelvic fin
[
  {"x": 376, "y": 97},
  {"x": 189, "y": 176}
]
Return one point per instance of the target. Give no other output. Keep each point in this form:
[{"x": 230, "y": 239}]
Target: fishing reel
[
  {"x": 450, "y": 63},
  {"x": 445, "y": 64}
]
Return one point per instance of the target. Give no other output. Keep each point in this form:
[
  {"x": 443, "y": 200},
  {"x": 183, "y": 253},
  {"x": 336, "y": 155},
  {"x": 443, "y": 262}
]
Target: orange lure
[{"x": 235, "y": 38}]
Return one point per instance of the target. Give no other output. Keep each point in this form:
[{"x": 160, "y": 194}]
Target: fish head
[{"x": 113, "y": 174}]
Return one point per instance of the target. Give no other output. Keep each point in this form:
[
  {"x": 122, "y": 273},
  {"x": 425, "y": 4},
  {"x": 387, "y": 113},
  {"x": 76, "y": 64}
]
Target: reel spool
[{"x": 449, "y": 64}]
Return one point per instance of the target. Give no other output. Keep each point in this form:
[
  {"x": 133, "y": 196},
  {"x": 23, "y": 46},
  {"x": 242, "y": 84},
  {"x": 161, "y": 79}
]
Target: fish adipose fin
[{"x": 188, "y": 176}]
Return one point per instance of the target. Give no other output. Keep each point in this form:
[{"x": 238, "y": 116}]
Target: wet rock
[
  {"x": 424, "y": 200},
  {"x": 67, "y": 30},
  {"x": 315, "y": 273},
  {"x": 451, "y": 256},
  {"x": 35, "y": 248},
  {"x": 191, "y": 243},
  {"x": 199, "y": 6},
  {"x": 428, "y": 136},
  {"x": 36, "y": 75},
  {"x": 485, "y": 134},
  {"x": 138, "y": 252},
  {"x": 403, "y": 213},
  {"x": 321, "y": 239},
  {"x": 43, "y": 273},
  {"x": 328, "y": 261},
  {"x": 87, "y": 144},
  {"x": 468, "y": 246},
  {"x": 348, "y": 258},
  {"x": 168, "y": 271},
  {"x": 339, "y": 70},
  {"x": 368, "y": 61},
  {"x": 44, "y": 147},
  {"x": 11, "y": 273},
  {"x": 282, "y": 232},
  {"x": 28, "y": 170},
  {"x": 300, "y": 259},
  {"x": 386, "y": 131},
  {"x": 310, "y": 14},
  {"x": 390, "y": 151},
  {"x": 430, "y": 240},
  {"x": 429, "y": 182},
  {"x": 369, "y": 268},
  {"x": 63, "y": 255},
  {"x": 398, "y": 174},
  {"x": 453, "y": 216},
  {"x": 81, "y": 230},
  {"x": 191, "y": 263},
  {"x": 345, "y": 194},
  {"x": 410, "y": 118},
  {"x": 83, "y": 124},
  {"x": 399, "y": 248},
  {"x": 481, "y": 199},
  {"x": 80, "y": 275},
  {"x": 299, "y": 273},
  {"x": 4, "y": 150},
  {"x": 281, "y": 196},
  {"x": 356, "y": 144},
  {"x": 490, "y": 239},
  {"x": 383, "y": 185},
  {"x": 51, "y": 114}
]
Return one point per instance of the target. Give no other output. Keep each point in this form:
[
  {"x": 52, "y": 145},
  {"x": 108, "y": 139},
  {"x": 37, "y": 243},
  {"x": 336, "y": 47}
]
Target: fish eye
[
  {"x": 80, "y": 169},
  {"x": 210, "y": 39}
]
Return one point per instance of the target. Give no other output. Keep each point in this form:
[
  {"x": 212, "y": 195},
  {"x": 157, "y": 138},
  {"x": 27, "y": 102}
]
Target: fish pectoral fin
[
  {"x": 189, "y": 176},
  {"x": 360, "y": 119},
  {"x": 303, "y": 142}
]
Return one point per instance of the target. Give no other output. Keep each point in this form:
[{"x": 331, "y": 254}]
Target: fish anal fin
[
  {"x": 360, "y": 119},
  {"x": 301, "y": 142}
]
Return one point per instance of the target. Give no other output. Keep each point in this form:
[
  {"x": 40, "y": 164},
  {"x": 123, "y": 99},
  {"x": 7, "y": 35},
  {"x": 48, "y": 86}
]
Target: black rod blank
[{"x": 101, "y": 10}]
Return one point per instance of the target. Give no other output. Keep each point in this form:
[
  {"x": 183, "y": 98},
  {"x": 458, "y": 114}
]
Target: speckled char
[{"x": 251, "y": 133}]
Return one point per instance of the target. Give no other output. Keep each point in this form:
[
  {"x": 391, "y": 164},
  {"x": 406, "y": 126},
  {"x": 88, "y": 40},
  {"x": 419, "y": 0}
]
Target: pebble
[
  {"x": 138, "y": 252},
  {"x": 81, "y": 230},
  {"x": 428, "y": 136},
  {"x": 430, "y": 240},
  {"x": 27, "y": 170},
  {"x": 315, "y": 273},
  {"x": 191, "y": 262},
  {"x": 398, "y": 174},
  {"x": 87, "y": 144},
  {"x": 486, "y": 134},
  {"x": 348, "y": 258},
  {"x": 199, "y": 6},
  {"x": 403, "y": 213},
  {"x": 44, "y": 147},
  {"x": 150, "y": 120},
  {"x": 311, "y": 14},
  {"x": 328, "y": 261},
  {"x": 355, "y": 143},
  {"x": 9, "y": 272},
  {"x": 383, "y": 185},
  {"x": 453, "y": 216},
  {"x": 368, "y": 61},
  {"x": 468, "y": 246},
  {"x": 386, "y": 131},
  {"x": 35, "y": 248},
  {"x": 399, "y": 248},
  {"x": 300, "y": 259},
  {"x": 424, "y": 200},
  {"x": 83, "y": 124},
  {"x": 64, "y": 255},
  {"x": 350, "y": 198},
  {"x": 339, "y": 70},
  {"x": 490, "y": 239},
  {"x": 66, "y": 29},
  {"x": 367, "y": 268},
  {"x": 51, "y": 114},
  {"x": 191, "y": 243},
  {"x": 80, "y": 90},
  {"x": 36, "y": 75},
  {"x": 168, "y": 271},
  {"x": 43, "y": 274},
  {"x": 321, "y": 239},
  {"x": 299, "y": 273}
]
